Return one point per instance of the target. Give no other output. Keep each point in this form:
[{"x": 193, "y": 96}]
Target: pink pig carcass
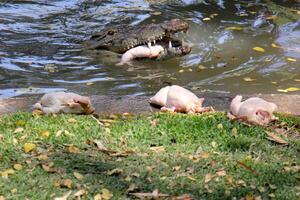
[
  {"x": 254, "y": 110},
  {"x": 178, "y": 99},
  {"x": 64, "y": 102}
]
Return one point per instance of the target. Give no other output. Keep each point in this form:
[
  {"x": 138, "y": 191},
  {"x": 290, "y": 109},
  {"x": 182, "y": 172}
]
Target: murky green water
[{"x": 36, "y": 33}]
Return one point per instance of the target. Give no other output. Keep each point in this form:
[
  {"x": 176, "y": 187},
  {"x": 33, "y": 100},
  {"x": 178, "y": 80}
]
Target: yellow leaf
[
  {"x": 273, "y": 137},
  {"x": 221, "y": 172},
  {"x": 80, "y": 193},
  {"x": 90, "y": 83},
  {"x": 290, "y": 89},
  {"x": 72, "y": 120},
  {"x": 45, "y": 134},
  {"x": 297, "y": 80},
  {"x": 78, "y": 175},
  {"x": 220, "y": 126},
  {"x": 29, "y": 147},
  {"x": 206, "y": 19},
  {"x": 275, "y": 45},
  {"x": 7, "y": 172},
  {"x": 191, "y": 178},
  {"x": 18, "y": 166},
  {"x": 259, "y": 49},
  {"x": 20, "y": 123},
  {"x": 235, "y": 28},
  {"x": 248, "y": 79},
  {"x": 156, "y": 13},
  {"x": 273, "y": 17},
  {"x": 234, "y": 132},
  {"x": 18, "y": 130},
  {"x": 180, "y": 71},
  {"x": 73, "y": 149},
  {"x": 291, "y": 59},
  {"x": 106, "y": 194}
]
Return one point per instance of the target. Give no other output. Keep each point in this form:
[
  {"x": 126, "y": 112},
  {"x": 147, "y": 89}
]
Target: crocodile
[{"x": 122, "y": 38}]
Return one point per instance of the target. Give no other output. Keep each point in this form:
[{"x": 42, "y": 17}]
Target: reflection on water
[{"x": 36, "y": 33}]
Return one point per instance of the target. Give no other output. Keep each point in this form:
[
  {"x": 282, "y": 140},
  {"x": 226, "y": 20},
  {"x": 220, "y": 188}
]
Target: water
[{"x": 41, "y": 48}]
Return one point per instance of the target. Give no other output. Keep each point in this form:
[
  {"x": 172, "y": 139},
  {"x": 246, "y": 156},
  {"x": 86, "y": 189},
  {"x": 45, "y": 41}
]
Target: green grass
[{"x": 191, "y": 148}]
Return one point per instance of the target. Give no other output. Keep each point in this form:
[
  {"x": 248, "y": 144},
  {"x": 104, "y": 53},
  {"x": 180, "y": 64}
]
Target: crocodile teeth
[
  {"x": 154, "y": 41},
  {"x": 170, "y": 44},
  {"x": 149, "y": 44}
]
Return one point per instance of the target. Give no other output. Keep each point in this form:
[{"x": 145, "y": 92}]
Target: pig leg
[
  {"x": 53, "y": 109},
  {"x": 166, "y": 109}
]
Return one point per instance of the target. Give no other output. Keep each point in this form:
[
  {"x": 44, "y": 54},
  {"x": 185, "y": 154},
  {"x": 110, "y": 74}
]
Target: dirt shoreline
[{"x": 120, "y": 104}]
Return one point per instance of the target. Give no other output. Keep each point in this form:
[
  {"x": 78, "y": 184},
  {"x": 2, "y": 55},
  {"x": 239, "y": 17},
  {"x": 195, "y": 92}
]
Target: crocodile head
[{"x": 122, "y": 38}]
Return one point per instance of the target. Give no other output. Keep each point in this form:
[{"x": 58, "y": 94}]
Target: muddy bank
[{"x": 121, "y": 104}]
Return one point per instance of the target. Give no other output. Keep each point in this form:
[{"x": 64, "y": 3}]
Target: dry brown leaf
[
  {"x": 18, "y": 166},
  {"x": 208, "y": 178},
  {"x": 80, "y": 193},
  {"x": 154, "y": 195},
  {"x": 67, "y": 183},
  {"x": 48, "y": 168},
  {"x": 42, "y": 157},
  {"x": 19, "y": 130},
  {"x": 241, "y": 183},
  {"x": 106, "y": 194},
  {"x": 65, "y": 197},
  {"x": 250, "y": 196},
  {"x": 273, "y": 137},
  {"x": 221, "y": 172},
  {"x": 73, "y": 149},
  {"x": 78, "y": 175},
  {"x": 183, "y": 197},
  {"x": 97, "y": 197},
  {"x": 7, "y": 172},
  {"x": 176, "y": 168},
  {"x": 158, "y": 149},
  {"x": 132, "y": 187},
  {"x": 116, "y": 171}
]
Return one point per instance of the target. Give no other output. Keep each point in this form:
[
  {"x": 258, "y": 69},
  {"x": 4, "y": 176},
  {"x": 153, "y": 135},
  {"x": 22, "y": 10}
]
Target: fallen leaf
[
  {"x": 221, "y": 172},
  {"x": 37, "y": 112},
  {"x": 291, "y": 59},
  {"x": 49, "y": 167},
  {"x": 180, "y": 71},
  {"x": 45, "y": 134},
  {"x": 158, "y": 149},
  {"x": 248, "y": 79},
  {"x": 67, "y": 183},
  {"x": 58, "y": 133},
  {"x": 2, "y": 198},
  {"x": 65, "y": 197},
  {"x": 206, "y": 19},
  {"x": 235, "y": 28},
  {"x": 183, "y": 197},
  {"x": 97, "y": 197},
  {"x": 154, "y": 122},
  {"x": 241, "y": 183},
  {"x": 275, "y": 45},
  {"x": 7, "y": 172},
  {"x": 176, "y": 168},
  {"x": 259, "y": 49},
  {"x": 132, "y": 187},
  {"x": 116, "y": 171},
  {"x": 220, "y": 126},
  {"x": 273, "y": 137},
  {"x": 78, "y": 175},
  {"x": 20, "y": 123},
  {"x": 28, "y": 147},
  {"x": 154, "y": 195},
  {"x": 208, "y": 178},
  {"x": 290, "y": 89},
  {"x": 234, "y": 132},
  {"x": 90, "y": 83},
  {"x": 42, "y": 157},
  {"x": 80, "y": 193},
  {"x": 106, "y": 194},
  {"x": 19, "y": 130},
  {"x": 73, "y": 149},
  {"x": 72, "y": 120},
  {"x": 18, "y": 166},
  {"x": 156, "y": 13},
  {"x": 272, "y": 195},
  {"x": 249, "y": 196},
  {"x": 191, "y": 178}
]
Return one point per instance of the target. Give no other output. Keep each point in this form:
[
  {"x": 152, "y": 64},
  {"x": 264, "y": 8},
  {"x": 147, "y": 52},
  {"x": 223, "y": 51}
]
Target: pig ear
[
  {"x": 263, "y": 114},
  {"x": 81, "y": 100},
  {"x": 201, "y": 100}
]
